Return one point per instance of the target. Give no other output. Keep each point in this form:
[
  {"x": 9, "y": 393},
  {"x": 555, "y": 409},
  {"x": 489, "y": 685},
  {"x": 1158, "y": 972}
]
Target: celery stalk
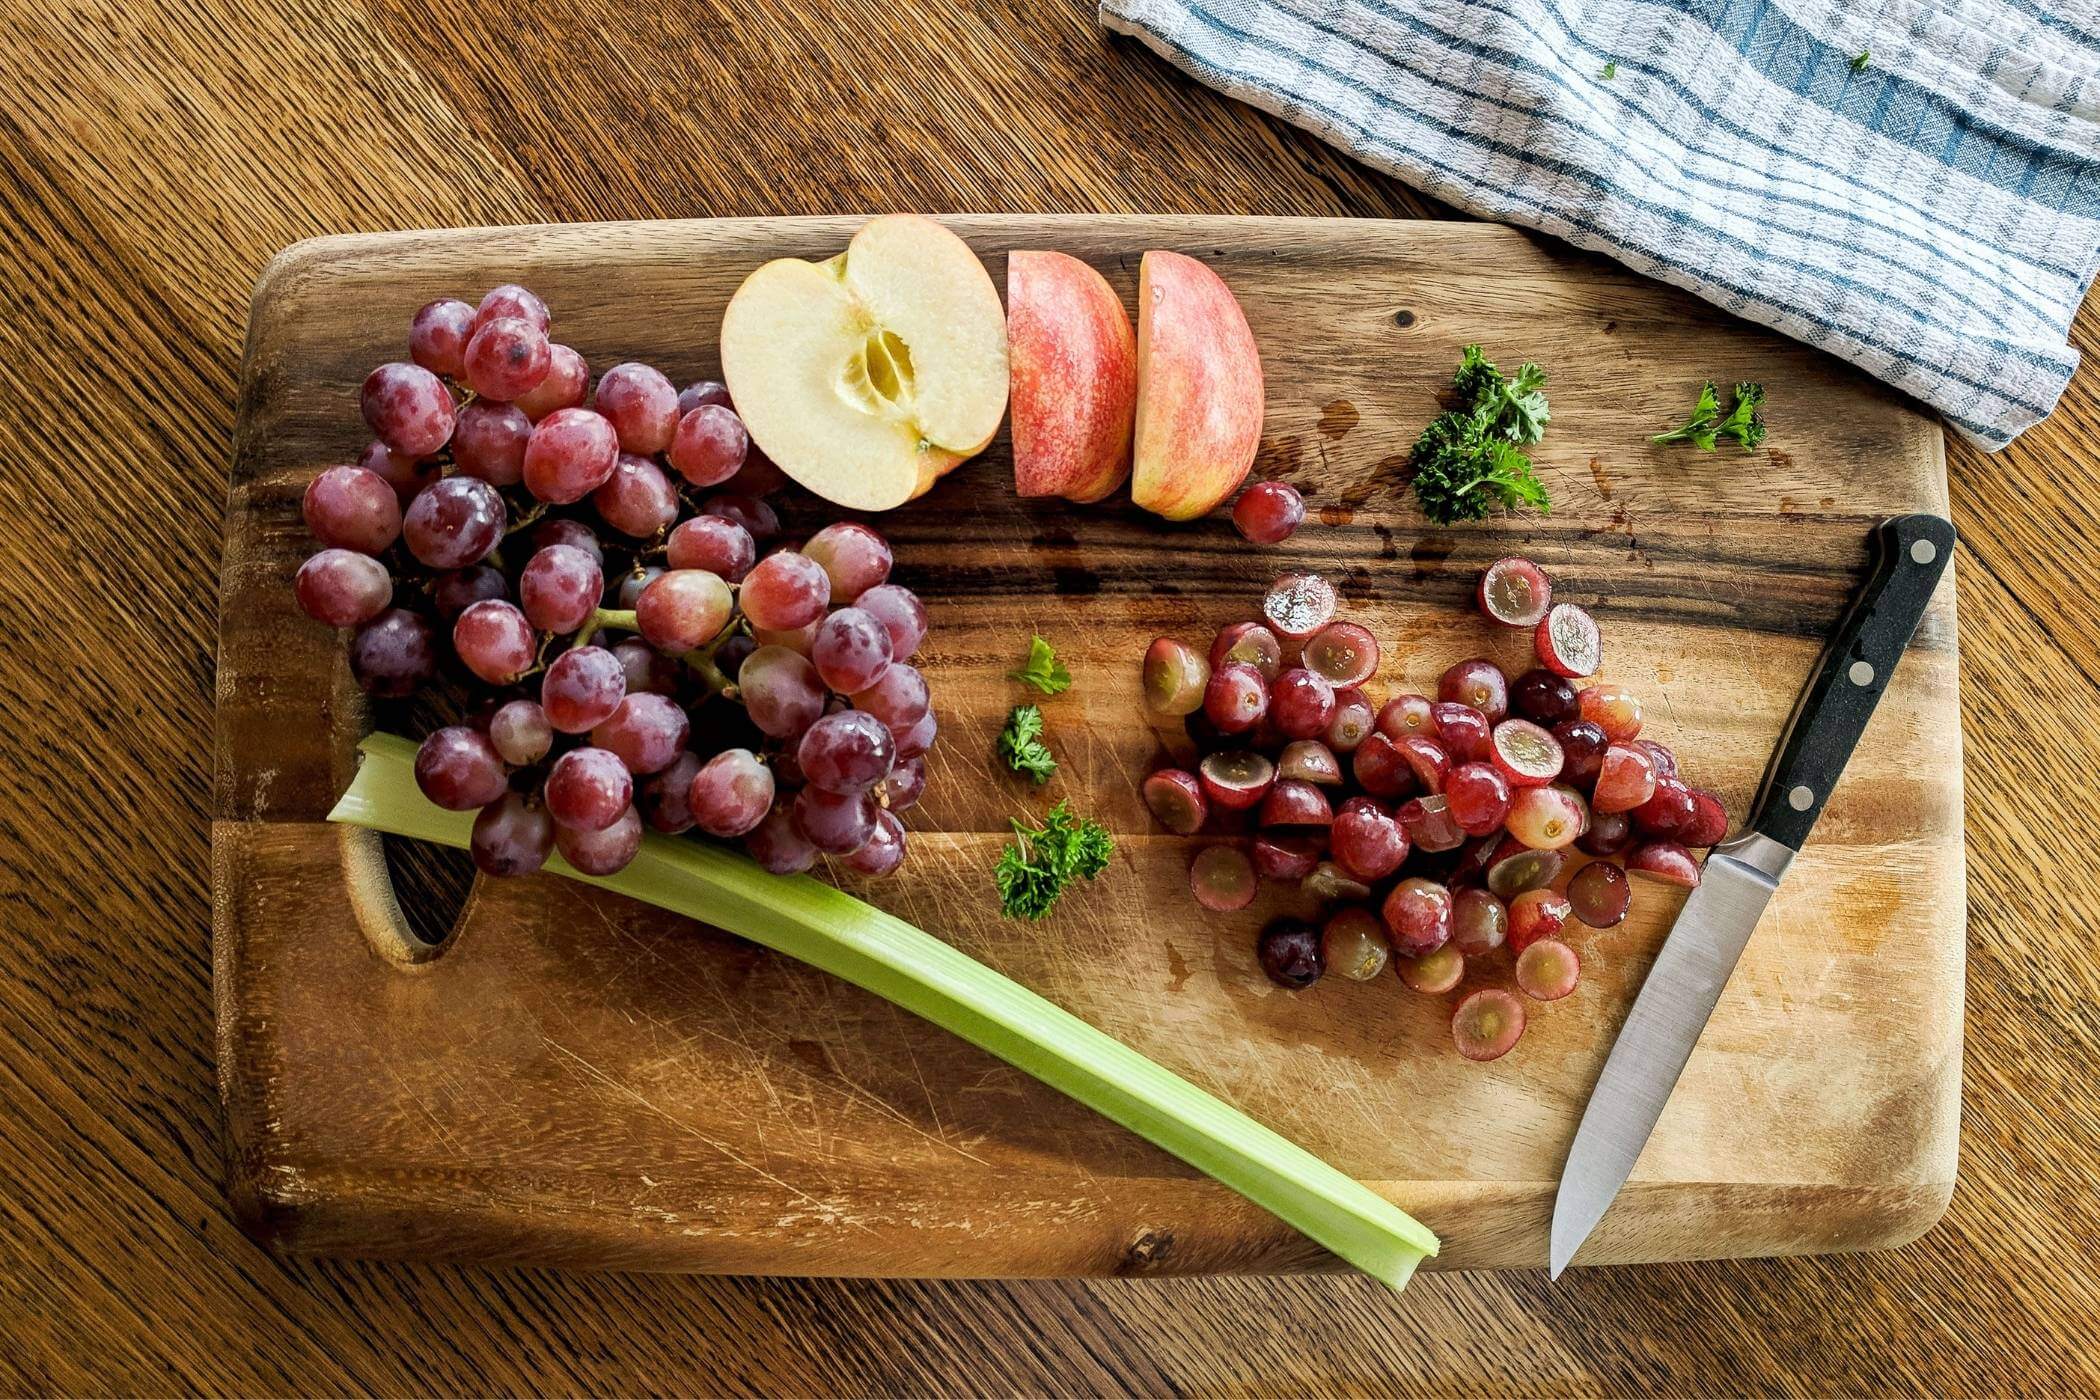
[{"x": 827, "y": 928}]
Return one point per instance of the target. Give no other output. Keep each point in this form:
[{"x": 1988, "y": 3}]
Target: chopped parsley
[
  {"x": 1021, "y": 744},
  {"x": 1043, "y": 671},
  {"x": 1040, "y": 861},
  {"x": 1859, "y": 65},
  {"x": 1471, "y": 459},
  {"x": 1611, "y": 70},
  {"x": 1743, "y": 425}
]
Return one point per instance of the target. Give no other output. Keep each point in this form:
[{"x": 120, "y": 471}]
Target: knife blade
[{"x": 1740, "y": 876}]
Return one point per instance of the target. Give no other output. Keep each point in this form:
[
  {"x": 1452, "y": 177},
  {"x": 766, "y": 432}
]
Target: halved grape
[
  {"x": 1342, "y": 654},
  {"x": 588, "y": 789},
  {"x": 1666, "y": 861},
  {"x": 1268, "y": 511},
  {"x": 1546, "y": 818},
  {"x": 495, "y": 641},
  {"x": 1613, "y": 709},
  {"x": 1536, "y": 914},
  {"x": 1295, "y": 802},
  {"x": 1600, "y": 894},
  {"x": 1432, "y": 973},
  {"x": 1301, "y": 703},
  {"x": 1479, "y": 922},
  {"x": 341, "y": 588},
  {"x": 1381, "y": 768},
  {"x": 1609, "y": 833},
  {"x": 1548, "y": 970},
  {"x": 731, "y": 793},
  {"x": 647, "y": 732},
  {"x": 1330, "y": 882},
  {"x": 1487, "y": 1024},
  {"x": 1478, "y": 798},
  {"x": 1526, "y": 754},
  {"x": 1514, "y": 592},
  {"x": 1310, "y": 761},
  {"x": 1428, "y": 759},
  {"x": 1175, "y": 677},
  {"x": 1407, "y": 714},
  {"x": 1236, "y": 698},
  {"x": 1176, "y": 800},
  {"x": 512, "y": 836},
  {"x": 459, "y": 769},
  {"x": 1352, "y": 723},
  {"x": 852, "y": 556},
  {"x": 1625, "y": 780},
  {"x": 352, "y": 508},
  {"x": 1236, "y": 779},
  {"x": 582, "y": 687},
  {"x": 1462, "y": 730},
  {"x": 1543, "y": 698},
  {"x": 1430, "y": 825},
  {"x": 1478, "y": 682},
  {"x": 1250, "y": 643},
  {"x": 1668, "y": 810},
  {"x": 1567, "y": 643},
  {"x": 1299, "y": 605},
  {"x": 1290, "y": 953},
  {"x": 1474, "y": 859},
  {"x": 1709, "y": 823},
  {"x": 1582, "y": 745},
  {"x": 1417, "y": 915},
  {"x": 605, "y": 851},
  {"x": 1354, "y": 944},
  {"x": 559, "y": 588},
  {"x": 1284, "y": 856},
  {"x": 1222, "y": 878},
  {"x": 1517, "y": 869},
  {"x": 1665, "y": 758}
]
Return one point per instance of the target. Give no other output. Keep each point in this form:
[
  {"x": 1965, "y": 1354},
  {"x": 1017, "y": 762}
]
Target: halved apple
[
  {"x": 1074, "y": 377},
  {"x": 1199, "y": 399},
  {"x": 869, "y": 375}
]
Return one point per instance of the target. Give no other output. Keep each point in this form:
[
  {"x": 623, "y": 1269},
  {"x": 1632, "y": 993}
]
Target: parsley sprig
[
  {"x": 1472, "y": 459},
  {"x": 1744, "y": 424},
  {"x": 1040, "y": 861},
  {"x": 1021, "y": 744}
]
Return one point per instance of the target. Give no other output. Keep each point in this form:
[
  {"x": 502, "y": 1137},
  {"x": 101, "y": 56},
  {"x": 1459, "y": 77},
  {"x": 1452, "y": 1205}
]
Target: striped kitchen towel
[{"x": 1909, "y": 184}]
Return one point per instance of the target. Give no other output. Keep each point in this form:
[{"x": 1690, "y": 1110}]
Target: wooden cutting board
[{"x": 575, "y": 1079}]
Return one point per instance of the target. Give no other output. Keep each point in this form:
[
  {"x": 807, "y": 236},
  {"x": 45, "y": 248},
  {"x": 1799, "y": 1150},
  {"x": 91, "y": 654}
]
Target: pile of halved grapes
[
  {"x": 1438, "y": 832},
  {"x": 532, "y": 517}
]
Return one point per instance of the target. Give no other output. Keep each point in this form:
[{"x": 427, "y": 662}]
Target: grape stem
[
  {"x": 532, "y": 516},
  {"x": 702, "y": 660},
  {"x": 622, "y": 618}
]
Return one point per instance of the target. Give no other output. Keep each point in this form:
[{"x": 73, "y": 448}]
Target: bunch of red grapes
[
  {"x": 593, "y": 554},
  {"x": 1438, "y": 832}
]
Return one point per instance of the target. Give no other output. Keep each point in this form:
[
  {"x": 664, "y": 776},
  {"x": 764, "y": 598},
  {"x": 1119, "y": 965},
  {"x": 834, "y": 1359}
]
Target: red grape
[
  {"x": 437, "y": 336},
  {"x": 1353, "y": 943},
  {"x": 1545, "y": 818},
  {"x": 709, "y": 542},
  {"x": 588, "y": 789},
  {"x": 1352, "y": 721},
  {"x": 352, "y": 508},
  {"x": 393, "y": 654},
  {"x": 1406, "y": 714},
  {"x": 1625, "y": 781},
  {"x": 1479, "y": 923},
  {"x": 905, "y": 782},
  {"x": 520, "y": 732},
  {"x": 1666, "y": 861},
  {"x": 1514, "y": 592},
  {"x": 1268, "y": 511},
  {"x": 780, "y": 691},
  {"x": 709, "y": 445},
  {"x": 1236, "y": 779},
  {"x": 1417, "y": 916},
  {"x": 899, "y": 610},
  {"x": 853, "y": 557},
  {"x": 460, "y": 770},
  {"x": 899, "y": 697},
  {"x": 784, "y": 591},
  {"x": 559, "y": 588},
  {"x": 1290, "y": 952},
  {"x": 1609, "y": 834},
  {"x": 1311, "y": 761},
  {"x": 1478, "y": 682},
  {"x": 1478, "y": 798},
  {"x": 605, "y": 851},
  {"x": 454, "y": 523},
  {"x": 846, "y": 752},
  {"x": 665, "y": 798},
  {"x": 637, "y": 579},
  {"x": 777, "y": 846},
  {"x": 703, "y": 391},
  {"x": 1381, "y": 769},
  {"x": 1249, "y": 643},
  {"x": 1301, "y": 703},
  {"x": 1428, "y": 759},
  {"x": 1567, "y": 643},
  {"x": 1543, "y": 698},
  {"x": 506, "y": 357},
  {"x": 567, "y": 379},
  {"x": 512, "y": 836},
  {"x": 648, "y": 669},
  {"x": 495, "y": 641},
  {"x": 1432, "y": 974},
  {"x": 918, "y": 738},
  {"x": 1343, "y": 654},
  {"x": 850, "y": 651},
  {"x": 582, "y": 689},
  {"x": 731, "y": 793},
  {"x": 1429, "y": 824},
  {"x": 489, "y": 441},
  {"x": 571, "y": 453},
  {"x": 1488, "y": 1024},
  {"x": 1582, "y": 745},
  {"x": 1613, "y": 709},
  {"x": 341, "y": 588},
  {"x": 1668, "y": 810},
  {"x": 834, "y": 822},
  {"x": 1547, "y": 970},
  {"x": 1236, "y": 698},
  {"x": 510, "y": 299},
  {"x": 1175, "y": 677},
  {"x": 641, "y": 405},
  {"x": 1284, "y": 855},
  {"x": 1709, "y": 823},
  {"x": 883, "y": 851},
  {"x": 683, "y": 609},
  {"x": 1367, "y": 843},
  {"x": 1299, "y": 605},
  {"x": 1600, "y": 894},
  {"x": 1515, "y": 869},
  {"x": 456, "y": 590},
  {"x": 561, "y": 530},
  {"x": 637, "y": 499},
  {"x": 748, "y": 511},
  {"x": 1176, "y": 800},
  {"x": 408, "y": 407},
  {"x": 1536, "y": 914},
  {"x": 1295, "y": 802},
  {"x": 1462, "y": 730},
  {"x": 646, "y": 732},
  {"x": 1222, "y": 879},
  {"x": 407, "y": 475}
]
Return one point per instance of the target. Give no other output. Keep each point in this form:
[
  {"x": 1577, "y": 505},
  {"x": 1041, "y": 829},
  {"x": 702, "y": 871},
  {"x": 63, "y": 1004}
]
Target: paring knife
[{"x": 1741, "y": 874}]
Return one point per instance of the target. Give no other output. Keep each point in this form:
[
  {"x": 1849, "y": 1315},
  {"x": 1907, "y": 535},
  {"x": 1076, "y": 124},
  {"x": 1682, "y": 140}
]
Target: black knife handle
[{"x": 1912, "y": 551}]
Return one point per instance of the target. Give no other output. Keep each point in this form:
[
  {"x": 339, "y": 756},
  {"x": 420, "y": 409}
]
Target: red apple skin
[
  {"x": 1074, "y": 385},
  {"x": 1199, "y": 398}
]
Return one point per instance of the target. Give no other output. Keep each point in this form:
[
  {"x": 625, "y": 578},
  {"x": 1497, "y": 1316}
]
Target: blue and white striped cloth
[{"x": 1913, "y": 185}]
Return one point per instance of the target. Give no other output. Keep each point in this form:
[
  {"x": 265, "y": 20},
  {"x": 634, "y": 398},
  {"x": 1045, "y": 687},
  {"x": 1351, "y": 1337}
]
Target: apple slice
[
  {"x": 869, "y": 375},
  {"x": 1074, "y": 377},
  {"x": 1199, "y": 399}
]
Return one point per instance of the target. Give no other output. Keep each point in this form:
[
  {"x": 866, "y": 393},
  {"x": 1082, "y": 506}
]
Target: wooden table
[{"x": 156, "y": 155}]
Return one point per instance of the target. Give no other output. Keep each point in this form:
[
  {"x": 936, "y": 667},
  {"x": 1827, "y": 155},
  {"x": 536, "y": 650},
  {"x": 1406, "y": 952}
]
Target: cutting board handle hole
[{"x": 407, "y": 894}]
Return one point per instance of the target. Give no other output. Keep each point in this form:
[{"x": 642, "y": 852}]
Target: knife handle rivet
[
  {"x": 1801, "y": 798},
  {"x": 1923, "y": 551},
  {"x": 1861, "y": 673}
]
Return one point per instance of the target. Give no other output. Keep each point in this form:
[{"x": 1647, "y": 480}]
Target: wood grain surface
[
  {"x": 155, "y": 158},
  {"x": 575, "y": 1079}
]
